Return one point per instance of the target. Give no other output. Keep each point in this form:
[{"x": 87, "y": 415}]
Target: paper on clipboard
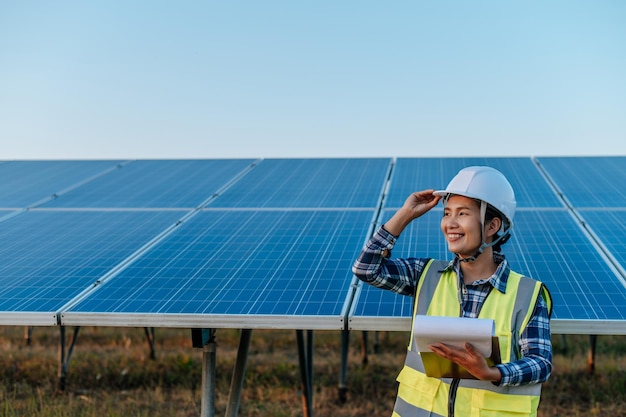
[{"x": 454, "y": 331}]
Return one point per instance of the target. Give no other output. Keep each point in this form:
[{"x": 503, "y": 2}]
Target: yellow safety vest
[{"x": 438, "y": 295}]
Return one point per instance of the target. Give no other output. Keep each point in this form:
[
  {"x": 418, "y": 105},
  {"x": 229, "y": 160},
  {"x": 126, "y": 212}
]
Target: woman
[{"x": 479, "y": 206}]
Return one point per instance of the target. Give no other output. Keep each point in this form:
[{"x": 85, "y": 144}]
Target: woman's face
[{"x": 461, "y": 225}]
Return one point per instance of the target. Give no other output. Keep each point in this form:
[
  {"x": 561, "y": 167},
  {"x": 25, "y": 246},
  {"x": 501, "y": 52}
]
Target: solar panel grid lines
[
  {"x": 570, "y": 264},
  {"x": 235, "y": 278},
  {"x": 608, "y": 228},
  {"x": 198, "y": 259},
  {"x": 589, "y": 182},
  {"x": 6, "y": 214},
  {"x": 288, "y": 254},
  {"x": 326, "y": 186},
  {"x": 29, "y": 183},
  {"x": 230, "y": 183},
  {"x": 124, "y": 263},
  {"x": 544, "y": 256},
  {"x": 81, "y": 183},
  {"x": 156, "y": 184},
  {"x": 308, "y": 183},
  {"x": 47, "y": 258}
]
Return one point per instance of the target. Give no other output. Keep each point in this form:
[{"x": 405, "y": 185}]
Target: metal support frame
[
  {"x": 376, "y": 342},
  {"x": 345, "y": 346},
  {"x": 28, "y": 332},
  {"x": 591, "y": 358},
  {"x": 205, "y": 339},
  {"x": 305, "y": 355},
  {"x": 150, "y": 336},
  {"x": 364, "y": 347},
  {"x": 236, "y": 384},
  {"x": 208, "y": 379},
  {"x": 64, "y": 358}
]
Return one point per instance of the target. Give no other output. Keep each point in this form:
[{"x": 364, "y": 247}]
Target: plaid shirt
[{"x": 401, "y": 276}]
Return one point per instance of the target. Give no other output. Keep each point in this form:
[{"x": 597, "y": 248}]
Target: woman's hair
[{"x": 491, "y": 214}]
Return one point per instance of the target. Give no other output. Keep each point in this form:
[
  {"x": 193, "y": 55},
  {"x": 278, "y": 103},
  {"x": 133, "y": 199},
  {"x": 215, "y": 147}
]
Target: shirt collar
[{"x": 498, "y": 280}]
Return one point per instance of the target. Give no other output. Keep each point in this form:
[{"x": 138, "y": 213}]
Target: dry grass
[{"x": 112, "y": 374}]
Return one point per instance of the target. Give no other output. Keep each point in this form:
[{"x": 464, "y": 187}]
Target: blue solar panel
[
  {"x": 550, "y": 246},
  {"x": 415, "y": 174},
  {"x": 309, "y": 183},
  {"x": 589, "y": 181},
  {"x": 547, "y": 245},
  {"x": 25, "y": 183},
  {"x": 156, "y": 184},
  {"x": 47, "y": 258},
  {"x": 6, "y": 213},
  {"x": 610, "y": 227},
  {"x": 243, "y": 263}
]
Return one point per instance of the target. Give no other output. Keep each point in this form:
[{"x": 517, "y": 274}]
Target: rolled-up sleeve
[{"x": 374, "y": 266}]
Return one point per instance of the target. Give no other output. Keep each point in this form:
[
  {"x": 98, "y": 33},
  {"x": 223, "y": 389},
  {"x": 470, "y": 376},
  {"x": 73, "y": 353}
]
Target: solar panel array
[{"x": 269, "y": 243}]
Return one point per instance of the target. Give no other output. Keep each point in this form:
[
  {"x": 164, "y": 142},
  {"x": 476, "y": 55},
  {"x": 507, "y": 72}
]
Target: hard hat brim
[{"x": 443, "y": 193}]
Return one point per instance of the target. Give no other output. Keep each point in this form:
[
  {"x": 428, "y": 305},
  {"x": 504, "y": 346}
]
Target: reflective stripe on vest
[{"x": 438, "y": 294}]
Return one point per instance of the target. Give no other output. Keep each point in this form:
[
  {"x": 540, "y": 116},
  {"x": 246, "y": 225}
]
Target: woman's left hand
[{"x": 469, "y": 358}]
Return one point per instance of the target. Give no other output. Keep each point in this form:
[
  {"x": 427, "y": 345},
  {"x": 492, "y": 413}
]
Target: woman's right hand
[
  {"x": 416, "y": 205},
  {"x": 420, "y": 202}
]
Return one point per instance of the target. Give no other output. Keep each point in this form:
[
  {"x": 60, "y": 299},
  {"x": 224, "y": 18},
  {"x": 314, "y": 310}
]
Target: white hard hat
[{"x": 486, "y": 184}]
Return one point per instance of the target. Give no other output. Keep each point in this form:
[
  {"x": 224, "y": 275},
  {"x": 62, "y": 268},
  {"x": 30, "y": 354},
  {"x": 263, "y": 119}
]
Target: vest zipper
[{"x": 454, "y": 385}]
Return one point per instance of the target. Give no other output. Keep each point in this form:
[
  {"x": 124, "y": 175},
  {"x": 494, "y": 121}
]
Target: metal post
[
  {"x": 28, "y": 331},
  {"x": 345, "y": 345},
  {"x": 377, "y": 342},
  {"x": 236, "y": 384},
  {"x": 305, "y": 354},
  {"x": 208, "y": 378},
  {"x": 310, "y": 363},
  {"x": 591, "y": 358},
  {"x": 364, "y": 347},
  {"x": 64, "y": 359},
  {"x": 150, "y": 336}
]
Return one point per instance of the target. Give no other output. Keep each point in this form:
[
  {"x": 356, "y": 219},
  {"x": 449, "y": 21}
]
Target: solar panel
[
  {"x": 25, "y": 183},
  {"x": 257, "y": 268},
  {"x": 610, "y": 228},
  {"x": 415, "y": 174},
  {"x": 312, "y": 183},
  {"x": 6, "y": 213},
  {"x": 155, "y": 184},
  {"x": 47, "y": 258},
  {"x": 550, "y": 246},
  {"x": 589, "y": 181}
]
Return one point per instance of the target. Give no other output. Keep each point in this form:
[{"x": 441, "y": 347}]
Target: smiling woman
[{"x": 478, "y": 283}]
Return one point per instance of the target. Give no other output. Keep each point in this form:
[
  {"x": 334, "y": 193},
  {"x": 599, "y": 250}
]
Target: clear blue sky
[{"x": 223, "y": 79}]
